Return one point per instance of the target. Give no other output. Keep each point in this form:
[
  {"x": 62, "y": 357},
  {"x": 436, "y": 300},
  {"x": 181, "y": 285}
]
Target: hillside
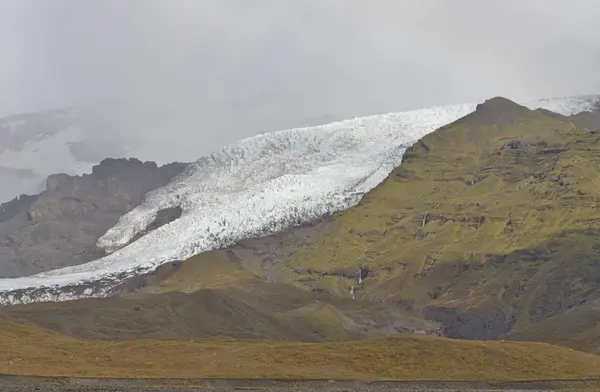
[
  {"x": 213, "y": 295},
  {"x": 489, "y": 225},
  {"x": 31, "y": 350},
  {"x": 255, "y": 187}
]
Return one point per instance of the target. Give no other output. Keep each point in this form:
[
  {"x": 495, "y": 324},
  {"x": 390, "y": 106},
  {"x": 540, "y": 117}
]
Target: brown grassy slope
[
  {"x": 28, "y": 350},
  {"x": 203, "y": 314},
  {"x": 490, "y": 222},
  {"x": 210, "y": 295},
  {"x": 201, "y": 307}
]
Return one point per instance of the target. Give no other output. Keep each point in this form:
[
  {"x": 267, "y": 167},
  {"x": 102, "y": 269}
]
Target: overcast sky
[{"x": 213, "y": 71}]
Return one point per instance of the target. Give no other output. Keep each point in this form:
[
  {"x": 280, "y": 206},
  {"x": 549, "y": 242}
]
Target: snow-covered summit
[{"x": 257, "y": 186}]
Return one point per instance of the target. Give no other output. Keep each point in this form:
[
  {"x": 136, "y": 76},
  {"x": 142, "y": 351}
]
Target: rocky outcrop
[
  {"x": 475, "y": 324},
  {"x": 163, "y": 216},
  {"x": 12, "y": 208},
  {"x": 60, "y": 226}
]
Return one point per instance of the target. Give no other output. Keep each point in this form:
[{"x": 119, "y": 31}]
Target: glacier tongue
[{"x": 257, "y": 186}]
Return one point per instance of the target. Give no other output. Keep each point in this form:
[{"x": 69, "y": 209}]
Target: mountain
[
  {"x": 252, "y": 188},
  {"x": 60, "y": 226},
  {"x": 454, "y": 184},
  {"x": 485, "y": 228},
  {"x": 489, "y": 227}
]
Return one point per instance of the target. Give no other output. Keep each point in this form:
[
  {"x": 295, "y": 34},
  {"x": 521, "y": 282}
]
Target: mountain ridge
[
  {"x": 61, "y": 225},
  {"x": 359, "y": 147}
]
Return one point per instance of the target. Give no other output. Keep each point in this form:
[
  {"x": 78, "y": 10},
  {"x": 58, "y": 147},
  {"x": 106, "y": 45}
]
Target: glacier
[{"x": 255, "y": 187}]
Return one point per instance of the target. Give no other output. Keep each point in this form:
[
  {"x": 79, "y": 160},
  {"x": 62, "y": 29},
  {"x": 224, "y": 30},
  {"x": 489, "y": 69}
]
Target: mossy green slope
[{"x": 490, "y": 224}]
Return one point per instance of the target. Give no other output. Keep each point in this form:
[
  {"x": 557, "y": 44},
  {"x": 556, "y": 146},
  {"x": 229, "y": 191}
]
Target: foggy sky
[{"x": 189, "y": 76}]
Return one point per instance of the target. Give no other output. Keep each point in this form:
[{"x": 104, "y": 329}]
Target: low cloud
[{"x": 184, "y": 77}]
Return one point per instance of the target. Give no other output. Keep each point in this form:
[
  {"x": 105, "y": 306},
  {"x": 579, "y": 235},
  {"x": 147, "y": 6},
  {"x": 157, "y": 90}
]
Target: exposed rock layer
[{"x": 60, "y": 226}]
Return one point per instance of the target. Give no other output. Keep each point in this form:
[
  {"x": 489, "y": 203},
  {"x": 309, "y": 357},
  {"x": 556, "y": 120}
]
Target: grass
[
  {"x": 30, "y": 350},
  {"x": 324, "y": 319},
  {"x": 209, "y": 270},
  {"x": 466, "y": 223},
  {"x": 243, "y": 309}
]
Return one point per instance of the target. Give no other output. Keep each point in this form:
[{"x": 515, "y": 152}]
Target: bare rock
[{"x": 60, "y": 226}]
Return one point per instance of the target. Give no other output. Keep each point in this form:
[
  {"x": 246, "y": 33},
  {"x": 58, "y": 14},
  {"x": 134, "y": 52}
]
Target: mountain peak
[
  {"x": 498, "y": 110},
  {"x": 499, "y": 103}
]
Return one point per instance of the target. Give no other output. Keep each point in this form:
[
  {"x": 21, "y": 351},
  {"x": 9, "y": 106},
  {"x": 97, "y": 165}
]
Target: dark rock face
[
  {"x": 140, "y": 281},
  {"x": 476, "y": 325},
  {"x": 60, "y": 226},
  {"x": 12, "y": 208},
  {"x": 164, "y": 216},
  {"x": 513, "y": 145}
]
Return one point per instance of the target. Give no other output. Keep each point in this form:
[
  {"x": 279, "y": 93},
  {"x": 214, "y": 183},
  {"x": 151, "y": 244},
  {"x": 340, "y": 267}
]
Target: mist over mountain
[
  {"x": 178, "y": 80},
  {"x": 36, "y": 145}
]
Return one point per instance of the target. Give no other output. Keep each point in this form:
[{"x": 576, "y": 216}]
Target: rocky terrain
[{"x": 60, "y": 226}]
